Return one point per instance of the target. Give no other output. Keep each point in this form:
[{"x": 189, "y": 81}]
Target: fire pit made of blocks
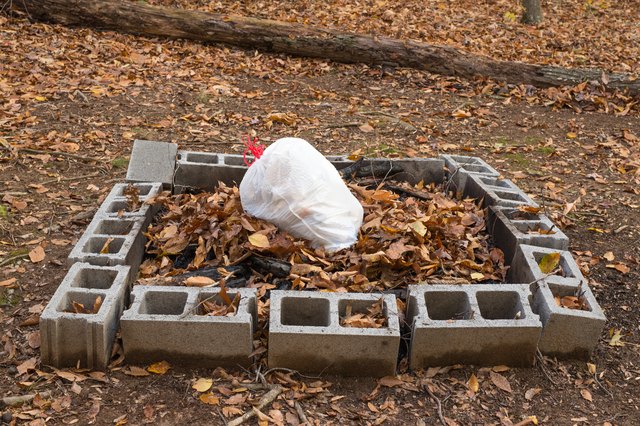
[{"x": 305, "y": 328}]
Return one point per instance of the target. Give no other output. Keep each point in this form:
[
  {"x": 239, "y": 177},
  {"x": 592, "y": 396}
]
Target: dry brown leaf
[
  {"x": 500, "y": 381},
  {"x": 37, "y": 254},
  {"x": 586, "y": 395},
  {"x": 259, "y": 240},
  {"x": 134, "y": 371},
  {"x": 473, "y": 383},
  {"x": 159, "y": 367},
  {"x": 531, "y": 393},
  {"x": 202, "y": 384},
  {"x": 209, "y": 398},
  {"x": 199, "y": 282}
]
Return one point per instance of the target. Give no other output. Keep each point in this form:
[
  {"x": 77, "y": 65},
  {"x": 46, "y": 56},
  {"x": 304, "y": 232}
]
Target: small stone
[
  {"x": 7, "y": 417},
  {"x": 12, "y": 370}
]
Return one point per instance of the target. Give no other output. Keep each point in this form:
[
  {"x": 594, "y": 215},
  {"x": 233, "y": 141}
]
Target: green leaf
[{"x": 549, "y": 262}]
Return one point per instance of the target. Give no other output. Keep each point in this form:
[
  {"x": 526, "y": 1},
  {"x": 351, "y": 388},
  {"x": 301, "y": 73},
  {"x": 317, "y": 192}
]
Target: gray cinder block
[
  {"x": 511, "y": 227},
  {"x": 459, "y": 167},
  {"x": 483, "y": 324},
  {"x": 567, "y": 333},
  {"x": 115, "y": 204},
  {"x": 68, "y": 338},
  {"x": 202, "y": 170},
  {"x": 166, "y": 323},
  {"x": 152, "y": 162},
  {"x": 305, "y": 334},
  {"x": 126, "y": 246},
  {"x": 525, "y": 267}
]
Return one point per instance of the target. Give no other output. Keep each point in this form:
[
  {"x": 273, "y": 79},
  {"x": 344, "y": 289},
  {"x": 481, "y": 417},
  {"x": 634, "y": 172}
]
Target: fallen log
[{"x": 302, "y": 40}]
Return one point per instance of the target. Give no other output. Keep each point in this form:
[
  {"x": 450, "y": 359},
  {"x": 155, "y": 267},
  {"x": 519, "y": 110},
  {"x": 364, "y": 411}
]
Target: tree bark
[
  {"x": 301, "y": 40},
  {"x": 532, "y": 12}
]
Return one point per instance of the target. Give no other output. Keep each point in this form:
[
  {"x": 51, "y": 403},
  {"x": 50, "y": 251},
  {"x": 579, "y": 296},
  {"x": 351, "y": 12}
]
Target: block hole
[
  {"x": 565, "y": 269},
  {"x": 82, "y": 303},
  {"x": 448, "y": 305},
  {"x": 163, "y": 303},
  {"x": 515, "y": 214},
  {"x": 491, "y": 181},
  {"x": 95, "y": 278},
  {"x": 500, "y": 305},
  {"x": 569, "y": 298},
  {"x": 511, "y": 196},
  {"x": 117, "y": 206},
  {"x": 534, "y": 228},
  {"x": 464, "y": 161},
  {"x": 142, "y": 188},
  {"x": 236, "y": 160},
  {"x": 374, "y": 317},
  {"x": 200, "y": 157},
  {"x": 114, "y": 227},
  {"x": 102, "y": 245},
  {"x": 312, "y": 312},
  {"x": 477, "y": 168},
  {"x": 214, "y": 305}
]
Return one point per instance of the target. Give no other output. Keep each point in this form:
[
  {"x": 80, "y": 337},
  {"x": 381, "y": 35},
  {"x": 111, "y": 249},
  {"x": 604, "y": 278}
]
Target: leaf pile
[
  {"x": 427, "y": 237},
  {"x": 374, "y": 316},
  {"x": 227, "y": 308}
]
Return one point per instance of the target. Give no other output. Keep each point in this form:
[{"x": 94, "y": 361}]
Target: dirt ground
[{"x": 73, "y": 101}]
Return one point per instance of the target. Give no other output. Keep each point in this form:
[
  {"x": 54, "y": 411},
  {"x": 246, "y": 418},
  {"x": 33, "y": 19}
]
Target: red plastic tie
[{"x": 252, "y": 146}]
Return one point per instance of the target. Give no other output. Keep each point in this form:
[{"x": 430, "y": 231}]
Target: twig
[
  {"x": 289, "y": 370},
  {"x": 12, "y": 258},
  {"x": 543, "y": 367},
  {"x": 408, "y": 192},
  {"x": 266, "y": 399},
  {"x": 67, "y": 179},
  {"x": 300, "y": 412},
  {"x": 339, "y": 125},
  {"x": 10, "y": 401},
  {"x": 53, "y": 153},
  {"x": 438, "y": 404}
]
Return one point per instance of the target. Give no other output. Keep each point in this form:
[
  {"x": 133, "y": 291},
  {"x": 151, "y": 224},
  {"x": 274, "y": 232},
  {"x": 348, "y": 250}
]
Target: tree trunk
[
  {"x": 532, "y": 12},
  {"x": 301, "y": 40}
]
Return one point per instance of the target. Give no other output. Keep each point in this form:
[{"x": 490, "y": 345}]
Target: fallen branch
[
  {"x": 438, "y": 405},
  {"x": 303, "y": 40},
  {"x": 300, "y": 412},
  {"x": 12, "y": 401},
  {"x": 266, "y": 399},
  {"x": 12, "y": 258}
]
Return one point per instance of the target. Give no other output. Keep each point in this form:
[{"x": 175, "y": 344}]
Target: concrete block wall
[
  {"x": 511, "y": 227},
  {"x": 479, "y": 324},
  {"x": 168, "y": 323},
  {"x": 525, "y": 267},
  {"x": 567, "y": 333},
  {"x": 483, "y": 324},
  {"x": 305, "y": 334},
  {"x": 123, "y": 230},
  {"x": 204, "y": 170},
  {"x": 68, "y": 338},
  {"x": 460, "y": 167}
]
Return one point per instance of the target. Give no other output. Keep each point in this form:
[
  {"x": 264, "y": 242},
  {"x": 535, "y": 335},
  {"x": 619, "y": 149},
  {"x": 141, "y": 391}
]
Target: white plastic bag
[{"x": 294, "y": 187}]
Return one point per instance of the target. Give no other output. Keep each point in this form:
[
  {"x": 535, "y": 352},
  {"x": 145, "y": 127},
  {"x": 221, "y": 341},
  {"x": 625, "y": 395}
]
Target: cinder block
[
  {"x": 525, "y": 267},
  {"x": 115, "y": 204},
  {"x": 511, "y": 227},
  {"x": 459, "y": 167},
  {"x": 167, "y": 323},
  {"x": 478, "y": 185},
  {"x": 126, "y": 246},
  {"x": 152, "y": 162},
  {"x": 68, "y": 338},
  {"x": 202, "y": 170},
  {"x": 567, "y": 333},
  {"x": 483, "y": 324},
  {"x": 305, "y": 334}
]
